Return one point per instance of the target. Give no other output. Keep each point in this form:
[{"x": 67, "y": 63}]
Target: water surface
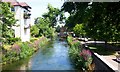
[{"x": 51, "y": 57}]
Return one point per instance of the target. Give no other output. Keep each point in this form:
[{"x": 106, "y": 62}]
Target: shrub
[
  {"x": 80, "y": 57},
  {"x": 26, "y": 50},
  {"x": 16, "y": 48},
  {"x": 21, "y": 50},
  {"x": 7, "y": 47},
  {"x": 74, "y": 51},
  {"x": 87, "y": 58},
  {"x": 34, "y": 30},
  {"x": 13, "y": 40},
  {"x": 79, "y": 30},
  {"x": 16, "y": 52},
  {"x": 33, "y": 39},
  {"x": 69, "y": 39}
]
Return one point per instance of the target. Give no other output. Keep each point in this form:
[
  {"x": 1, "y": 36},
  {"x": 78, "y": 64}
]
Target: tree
[
  {"x": 76, "y": 10},
  {"x": 103, "y": 21},
  {"x": 52, "y": 15},
  {"x": 34, "y": 30},
  {"x": 7, "y": 21},
  {"x": 100, "y": 20},
  {"x": 46, "y": 23},
  {"x": 79, "y": 30},
  {"x": 43, "y": 27},
  {"x": 58, "y": 28}
]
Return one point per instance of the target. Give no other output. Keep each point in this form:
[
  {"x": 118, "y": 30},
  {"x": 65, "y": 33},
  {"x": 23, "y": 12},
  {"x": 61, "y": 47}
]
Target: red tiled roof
[
  {"x": 15, "y": 3},
  {"x": 9, "y": 1},
  {"x": 23, "y": 4}
]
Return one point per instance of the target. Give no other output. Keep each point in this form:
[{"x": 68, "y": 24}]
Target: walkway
[{"x": 110, "y": 61}]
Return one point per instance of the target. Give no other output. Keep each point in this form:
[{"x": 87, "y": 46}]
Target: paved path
[{"x": 110, "y": 61}]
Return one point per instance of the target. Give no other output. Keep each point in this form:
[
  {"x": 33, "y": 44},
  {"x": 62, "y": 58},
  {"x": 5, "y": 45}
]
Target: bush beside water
[
  {"x": 21, "y": 50},
  {"x": 80, "y": 57}
]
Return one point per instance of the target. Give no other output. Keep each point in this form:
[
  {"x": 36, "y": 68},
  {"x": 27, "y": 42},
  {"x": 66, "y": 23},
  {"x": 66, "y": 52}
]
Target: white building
[
  {"x": 22, "y": 14},
  {"x": 59, "y": 24}
]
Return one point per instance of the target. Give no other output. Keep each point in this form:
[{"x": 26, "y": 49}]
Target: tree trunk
[
  {"x": 105, "y": 45},
  {"x": 95, "y": 42}
]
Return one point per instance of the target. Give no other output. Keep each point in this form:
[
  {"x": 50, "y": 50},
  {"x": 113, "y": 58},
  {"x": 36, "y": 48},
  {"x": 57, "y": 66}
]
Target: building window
[
  {"x": 25, "y": 32},
  {"x": 13, "y": 9}
]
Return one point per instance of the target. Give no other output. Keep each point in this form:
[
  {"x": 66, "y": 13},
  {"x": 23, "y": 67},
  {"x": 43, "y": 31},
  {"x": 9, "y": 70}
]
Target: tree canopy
[
  {"x": 54, "y": 15},
  {"x": 101, "y": 20},
  {"x": 7, "y": 20},
  {"x": 45, "y": 25}
]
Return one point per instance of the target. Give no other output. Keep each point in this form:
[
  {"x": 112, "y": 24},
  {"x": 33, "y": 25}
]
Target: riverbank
[
  {"x": 104, "y": 57},
  {"x": 53, "y": 56},
  {"x": 80, "y": 56},
  {"x": 21, "y": 50}
]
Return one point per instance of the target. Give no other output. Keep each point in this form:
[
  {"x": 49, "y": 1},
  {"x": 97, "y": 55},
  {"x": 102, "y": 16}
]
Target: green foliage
[
  {"x": 69, "y": 39},
  {"x": 43, "y": 28},
  {"x": 0, "y": 30},
  {"x": 52, "y": 15},
  {"x": 58, "y": 28},
  {"x": 80, "y": 57},
  {"x": 42, "y": 42},
  {"x": 21, "y": 50},
  {"x": 26, "y": 50},
  {"x": 77, "y": 13},
  {"x": 103, "y": 24},
  {"x": 7, "y": 20},
  {"x": 100, "y": 20},
  {"x": 32, "y": 39},
  {"x": 79, "y": 29},
  {"x": 68, "y": 7},
  {"x": 13, "y": 40},
  {"x": 34, "y": 30}
]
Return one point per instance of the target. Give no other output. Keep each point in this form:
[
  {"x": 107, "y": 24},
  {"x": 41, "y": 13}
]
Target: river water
[{"x": 54, "y": 56}]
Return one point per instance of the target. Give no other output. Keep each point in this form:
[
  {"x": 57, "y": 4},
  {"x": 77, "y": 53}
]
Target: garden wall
[
  {"x": 108, "y": 46},
  {"x": 100, "y": 65}
]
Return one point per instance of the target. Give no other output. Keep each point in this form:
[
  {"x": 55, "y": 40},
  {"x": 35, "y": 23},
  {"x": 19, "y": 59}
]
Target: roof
[
  {"x": 9, "y": 1},
  {"x": 15, "y": 3},
  {"x": 23, "y": 4}
]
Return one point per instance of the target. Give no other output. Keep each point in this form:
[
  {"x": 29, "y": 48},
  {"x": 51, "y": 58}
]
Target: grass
[
  {"x": 117, "y": 45},
  {"x": 101, "y": 50}
]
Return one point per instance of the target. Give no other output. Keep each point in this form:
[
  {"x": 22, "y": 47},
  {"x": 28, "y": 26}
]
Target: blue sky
[{"x": 40, "y": 6}]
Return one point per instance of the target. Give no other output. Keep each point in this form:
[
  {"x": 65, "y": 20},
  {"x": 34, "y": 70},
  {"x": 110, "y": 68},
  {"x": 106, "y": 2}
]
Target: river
[{"x": 53, "y": 56}]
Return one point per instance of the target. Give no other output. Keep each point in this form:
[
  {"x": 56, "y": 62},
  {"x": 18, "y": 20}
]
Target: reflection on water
[{"x": 51, "y": 57}]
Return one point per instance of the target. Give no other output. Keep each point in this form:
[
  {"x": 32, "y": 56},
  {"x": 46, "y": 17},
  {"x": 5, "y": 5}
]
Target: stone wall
[
  {"x": 100, "y": 65},
  {"x": 108, "y": 46}
]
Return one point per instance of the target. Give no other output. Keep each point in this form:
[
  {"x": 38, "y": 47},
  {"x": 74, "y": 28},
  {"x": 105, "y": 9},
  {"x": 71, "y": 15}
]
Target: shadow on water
[{"x": 54, "y": 56}]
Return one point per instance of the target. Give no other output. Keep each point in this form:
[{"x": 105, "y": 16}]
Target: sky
[{"x": 40, "y": 6}]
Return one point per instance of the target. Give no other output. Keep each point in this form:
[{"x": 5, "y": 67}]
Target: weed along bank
[
  {"x": 21, "y": 50},
  {"x": 79, "y": 55}
]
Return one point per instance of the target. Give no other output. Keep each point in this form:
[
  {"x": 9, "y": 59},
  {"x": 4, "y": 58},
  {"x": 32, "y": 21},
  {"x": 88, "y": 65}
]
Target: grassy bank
[
  {"x": 101, "y": 50},
  {"x": 21, "y": 50}
]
